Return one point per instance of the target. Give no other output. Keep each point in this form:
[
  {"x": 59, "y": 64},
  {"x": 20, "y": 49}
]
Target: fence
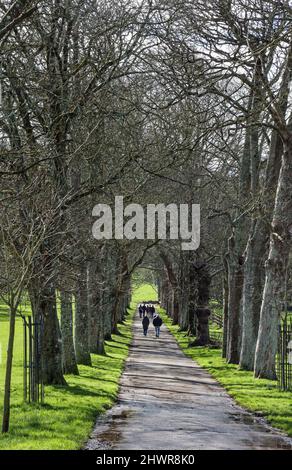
[
  {"x": 284, "y": 356},
  {"x": 217, "y": 319},
  {"x": 217, "y": 337},
  {"x": 33, "y": 386}
]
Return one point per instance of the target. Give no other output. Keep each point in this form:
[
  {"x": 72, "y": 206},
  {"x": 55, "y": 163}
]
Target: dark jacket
[
  {"x": 157, "y": 321},
  {"x": 145, "y": 322}
]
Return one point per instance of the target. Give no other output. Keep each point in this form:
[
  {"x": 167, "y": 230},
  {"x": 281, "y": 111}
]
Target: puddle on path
[
  {"x": 111, "y": 436},
  {"x": 259, "y": 425},
  {"x": 244, "y": 418},
  {"x": 106, "y": 433}
]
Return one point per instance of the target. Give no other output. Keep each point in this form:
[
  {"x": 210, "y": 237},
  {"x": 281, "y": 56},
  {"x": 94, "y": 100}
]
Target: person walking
[
  {"x": 157, "y": 322},
  {"x": 143, "y": 310},
  {"x": 145, "y": 323},
  {"x": 140, "y": 311}
]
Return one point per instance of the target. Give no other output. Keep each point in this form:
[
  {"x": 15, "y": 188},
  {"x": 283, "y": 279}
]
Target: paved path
[{"x": 167, "y": 401}]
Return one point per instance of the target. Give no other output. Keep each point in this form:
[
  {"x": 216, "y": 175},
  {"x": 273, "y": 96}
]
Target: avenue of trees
[{"x": 161, "y": 102}]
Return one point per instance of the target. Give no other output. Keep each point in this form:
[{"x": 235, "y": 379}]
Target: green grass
[
  {"x": 144, "y": 292},
  {"x": 257, "y": 395},
  {"x": 68, "y": 415}
]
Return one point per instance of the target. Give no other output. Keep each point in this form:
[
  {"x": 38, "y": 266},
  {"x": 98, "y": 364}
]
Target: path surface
[{"x": 166, "y": 401}]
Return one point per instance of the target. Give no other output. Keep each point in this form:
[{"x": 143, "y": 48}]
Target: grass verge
[
  {"x": 257, "y": 395},
  {"x": 68, "y": 415}
]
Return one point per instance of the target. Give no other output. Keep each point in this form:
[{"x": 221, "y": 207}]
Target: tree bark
[
  {"x": 225, "y": 306},
  {"x": 200, "y": 282},
  {"x": 202, "y": 329},
  {"x": 237, "y": 243},
  {"x": 68, "y": 350},
  {"x": 257, "y": 246},
  {"x": 82, "y": 319},
  {"x": 52, "y": 343},
  {"x": 93, "y": 301},
  {"x": 184, "y": 287},
  {"x": 175, "y": 306},
  {"x": 8, "y": 373},
  {"x": 235, "y": 282},
  {"x": 252, "y": 293},
  {"x": 275, "y": 268},
  {"x": 172, "y": 278}
]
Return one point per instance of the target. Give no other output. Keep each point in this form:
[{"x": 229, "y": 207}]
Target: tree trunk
[
  {"x": 225, "y": 307},
  {"x": 100, "y": 333},
  {"x": 257, "y": 250},
  {"x": 252, "y": 293},
  {"x": 97, "y": 332},
  {"x": 202, "y": 329},
  {"x": 82, "y": 320},
  {"x": 175, "y": 306},
  {"x": 235, "y": 282},
  {"x": 120, "y": 291},
  {"x": 68, "y": 350},
  {"x": 107, "y": 306},
  {"x": 184, "y": 283},
  {"x": 262, "y": 232},
  {"x": 238, "y": 239},
  {"x": 109, "y": 273},
  {"x": 115, "y": 316},
  {"x": 275, "y": 267},
  {"x": 52, "y": 343},
  {"x": 172, "y": 278},
  {"x": 93, "y": 302},
  {"x": 200, "y": 281},
  {"x": 43, "y": 302},
  {"x": 8, "y": 372}
]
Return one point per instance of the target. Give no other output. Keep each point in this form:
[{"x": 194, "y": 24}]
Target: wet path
[{"x": 166, "y": 401}]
